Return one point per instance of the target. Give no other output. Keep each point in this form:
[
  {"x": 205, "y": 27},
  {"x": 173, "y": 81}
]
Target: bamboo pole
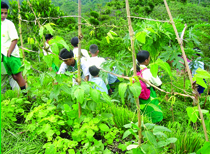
[
  {"x": 134, "y": 67},
  {"x": 21, "y": 38},
  {"x": 79, "y": 50},
  {"x": 196, "y": 100}
]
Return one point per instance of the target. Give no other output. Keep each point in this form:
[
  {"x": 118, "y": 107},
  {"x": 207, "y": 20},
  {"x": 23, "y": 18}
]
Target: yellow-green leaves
[
  {"x": 141, "y": 37},
  {"x": 122, "y": 88}
]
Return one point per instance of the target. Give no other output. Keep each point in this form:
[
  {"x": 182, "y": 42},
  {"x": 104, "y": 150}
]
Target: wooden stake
[
  {"x": 196, "y": 100},
  {"x": 134, "y": 67},
  {"x": 79, "y": 50},
  {"x": 21, "y": 38}
]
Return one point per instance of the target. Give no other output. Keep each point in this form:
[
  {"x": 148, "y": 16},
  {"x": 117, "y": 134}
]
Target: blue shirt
[
  {"x": 100, "y": 83},
  {"x": 112, "y": 78}
]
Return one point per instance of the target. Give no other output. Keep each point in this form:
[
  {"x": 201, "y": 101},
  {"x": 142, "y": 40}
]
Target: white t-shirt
[
  {"x": 148, "y": 76},
  {"x": 97, "y": 61},
  {"x": 63, "y": 68},
  {"x": 8, "y": 34},
  {"x": 83, "y": 52}
]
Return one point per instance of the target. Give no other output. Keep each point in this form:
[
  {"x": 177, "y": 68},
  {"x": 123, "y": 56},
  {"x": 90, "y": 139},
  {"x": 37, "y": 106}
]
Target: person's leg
[{"x": 20, "y": 80}]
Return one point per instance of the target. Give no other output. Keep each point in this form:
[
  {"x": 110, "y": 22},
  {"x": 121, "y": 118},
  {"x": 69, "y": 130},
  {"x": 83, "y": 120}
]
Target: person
[
  {"x": 143, "y": 58},
  {"x": 49, "y": 37},
  {"x": 194, "y": 65},
  {"x": 74, "y": 43},
  {"x": 9, "y": 48},
  {"x": 93, "y": 60},
  {"x": 94, "y": 71},
  {"x": 112, "y": 79},
  {"x": 69, "y": 63}
]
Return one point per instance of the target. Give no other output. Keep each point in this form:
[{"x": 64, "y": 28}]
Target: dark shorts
[{"x": 11, "y": 64}]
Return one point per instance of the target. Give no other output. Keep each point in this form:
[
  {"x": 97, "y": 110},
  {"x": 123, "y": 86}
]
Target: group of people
[{"x": 90, "y": 65}]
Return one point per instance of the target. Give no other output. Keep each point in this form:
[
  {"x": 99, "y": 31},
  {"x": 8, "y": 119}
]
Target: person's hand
[{"x": 8, "y": 54}]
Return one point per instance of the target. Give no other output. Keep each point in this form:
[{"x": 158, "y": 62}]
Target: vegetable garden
[{"x": 62, "y": 118}]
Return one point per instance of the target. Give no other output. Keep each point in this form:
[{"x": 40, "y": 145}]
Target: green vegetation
[{"x": 46, "y": 121}]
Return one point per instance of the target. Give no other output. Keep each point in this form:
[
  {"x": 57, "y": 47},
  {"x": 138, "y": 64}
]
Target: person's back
[
  {"x": 143, "y": 58},
  {"x": 94, "y": 60},
  {"x": 94, "y": 71},
  {"x": 74, "y": 43}
]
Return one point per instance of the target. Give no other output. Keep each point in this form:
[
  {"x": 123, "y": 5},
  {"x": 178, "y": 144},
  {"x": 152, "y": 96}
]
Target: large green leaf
[
  {"x": 49, "y": 28},
  {"x": 126, "y": 134},
  {"x": 154, "y": 69},
  {"x": 122, "y": 88},
  {"x": 156, "y": 108},
  {"x": 79, "y": 94},
  {"x": 95, "y": 95},
  {"x": 141, "y": 37},
  {"x": 150, "y": 137},
  {"x": 192, "y": 113},
  {"x": 59, "y": 40},
  {"x": 164, "y": 65},
  {"x": 161, "y": 129},
  {"x": 135, "y": 89},
  {"x": 104, "y": 127}
]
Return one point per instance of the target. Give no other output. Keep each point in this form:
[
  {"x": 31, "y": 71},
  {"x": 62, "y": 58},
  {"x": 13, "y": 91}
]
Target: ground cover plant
[{"x": 47, "y": 119}]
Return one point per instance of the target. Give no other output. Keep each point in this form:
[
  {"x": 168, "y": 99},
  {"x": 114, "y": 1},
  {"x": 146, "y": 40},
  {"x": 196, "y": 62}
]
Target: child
[
  {"x": 94, "y": 71},
  {"x": 143, "y": 58},
  {"x": 48, "y": 37},
  {"x": 9, "y": 48}
]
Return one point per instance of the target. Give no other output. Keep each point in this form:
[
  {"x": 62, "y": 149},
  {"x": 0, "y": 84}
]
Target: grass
[{"x": 13, "y": 141}]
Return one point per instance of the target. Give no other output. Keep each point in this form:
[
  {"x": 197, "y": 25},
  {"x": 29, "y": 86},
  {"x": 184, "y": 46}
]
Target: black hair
[
  {"x": 4, "y": 5},
  {"x": 48, "y": 36},
  {"x": 138, "y": 69},
  {"x": 94, "y": 70},
  {"x": 142, "y": 56},
  {"x": 93, "y": 48},
  {"x": 75, "y": 41},
  {"x": 65, "y": 54}
]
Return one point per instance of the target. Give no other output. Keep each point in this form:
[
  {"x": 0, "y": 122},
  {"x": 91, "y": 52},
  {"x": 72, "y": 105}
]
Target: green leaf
[
  {"x": 48, "y": 59},
  {"x": 199, "y": 81},
  {"x": 202, "y": 73},
  {"x": 59, "y": 40},
  {"x": 71, "y": 151},
  {"x": 49, "y": 28},
  {"x": 92, "y": 105},
  {"x": 46, "y": 127},
  {"x": 41, "y": 30},
  {"x": 192, "y": 113},
  {"x": 150, "y": 137},
  {"x": 95, "y": 95},
  {"x": 141, "y": 37},
  {"x": 164, "y": 65},
  {"x": 135, "y": 89},
  {"x": 122, "y": 146},
  {"x": 27, "y": 66},
  {"x": 104, "y": 127},
  {"x": 107, "y": 39},
  {"x": 204, "y": 149},
  {"x": 90, "y": 134},
  {"x": 55, "y": 49},
  {"x": 106, "y": 97},
  {"x": 113, "y": 33},
  {"x": 126, "y": 134},
  {"x": 66, "y": 89},
  {"x": 149, "y": 125},
  {"x": 79, "y": 94},
  {"x": 156, "y": 108},
  {"x": 110, "y": 35},
  {"x": 161, "y": 129},
  {"x": 154, "y": 69},
  {"x": 122, "y": 88}
]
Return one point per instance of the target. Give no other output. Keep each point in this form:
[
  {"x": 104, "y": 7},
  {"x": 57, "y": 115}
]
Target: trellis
[{"x": 131, "y": 33}]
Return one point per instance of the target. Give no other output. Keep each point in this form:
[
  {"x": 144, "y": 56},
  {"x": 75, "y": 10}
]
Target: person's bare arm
[{"x": 12, "y": 47}]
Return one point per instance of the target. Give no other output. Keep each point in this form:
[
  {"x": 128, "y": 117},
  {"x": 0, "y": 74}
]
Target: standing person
[
  {"x": 74, "y": 43},
  {"x": 94, "y": 71},
  {"x": 48, "y": 37},
  {"x": 143, "y": 58},
  {"x": 9, "y": 48},
  {"x": 93, "y": 60}
]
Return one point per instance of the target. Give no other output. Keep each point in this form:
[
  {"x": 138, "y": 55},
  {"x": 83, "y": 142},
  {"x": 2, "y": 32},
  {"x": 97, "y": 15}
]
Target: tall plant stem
[
  {"x": 196, "y": 101},
  {"x": 134, "y": 66},
  {"x": 79, "y": 50},
  {"x": 21, "y": 38}
]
